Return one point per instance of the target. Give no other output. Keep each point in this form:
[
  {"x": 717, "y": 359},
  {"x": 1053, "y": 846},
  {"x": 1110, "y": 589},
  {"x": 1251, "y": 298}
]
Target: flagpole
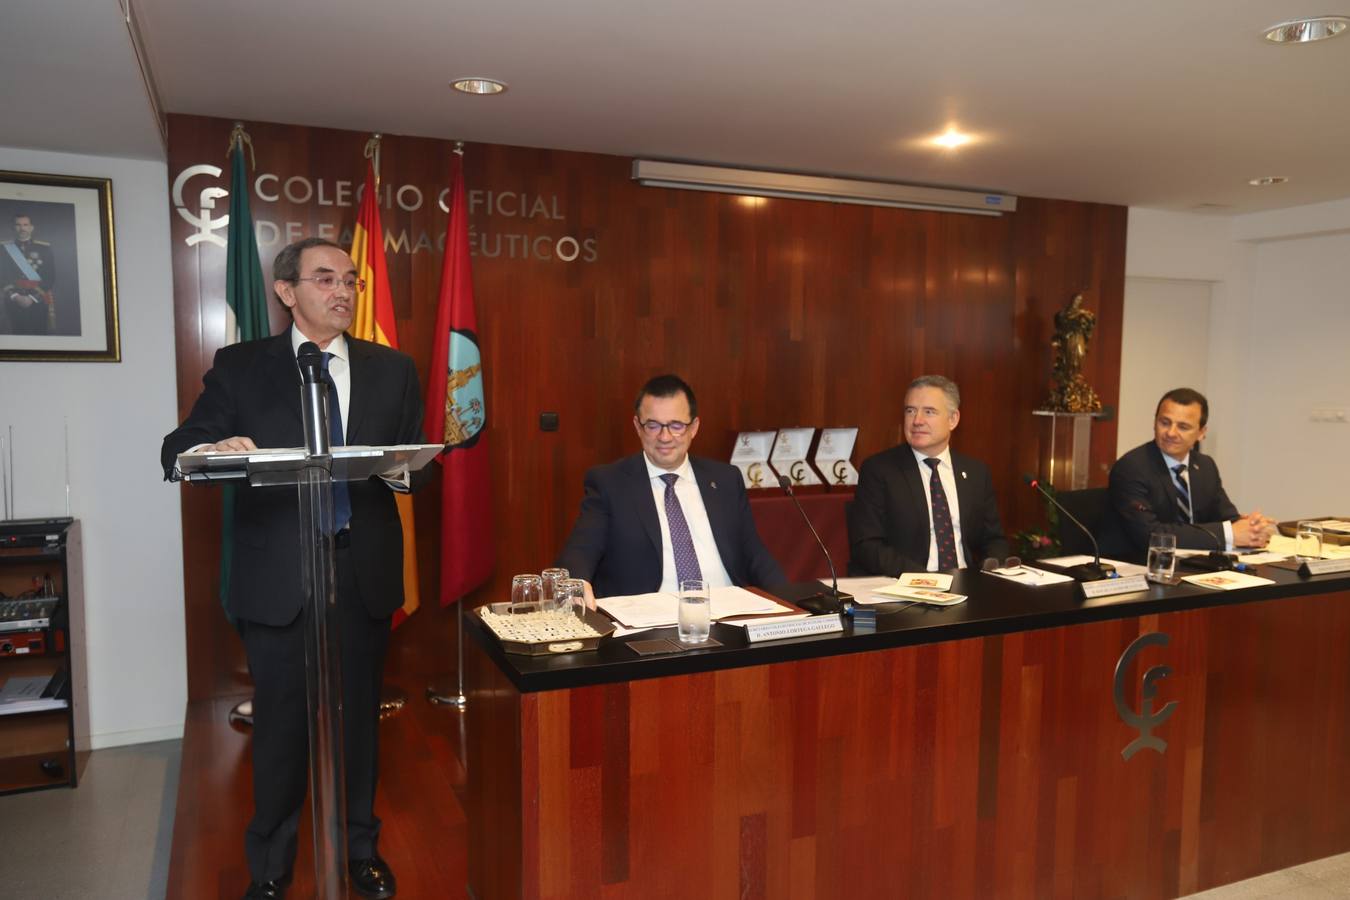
[{"x": 435, "y": 695}]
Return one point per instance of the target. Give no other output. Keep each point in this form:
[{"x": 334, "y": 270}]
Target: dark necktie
[
  {"x": 1183, "y": 492},
  {"x": 942, "y": 518},
  {"x": 342, "y": 500},
  {"x": 681, "y": 542}
]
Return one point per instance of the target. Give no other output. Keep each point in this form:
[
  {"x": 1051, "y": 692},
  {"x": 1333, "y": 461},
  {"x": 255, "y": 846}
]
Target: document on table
[
  {"x": 1029, "y": 575},
  {"x": 657, "y": 610},
  {"x": 1226, "y": 581},
  {"x": 1124, "y": 569}
]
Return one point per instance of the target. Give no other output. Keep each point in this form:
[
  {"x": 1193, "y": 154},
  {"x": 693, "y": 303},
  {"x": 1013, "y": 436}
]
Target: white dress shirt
[
  {"x": 700, "y": 530},
  {"x": 339, "y": 367},
  {"x": 947, "y": 475}
]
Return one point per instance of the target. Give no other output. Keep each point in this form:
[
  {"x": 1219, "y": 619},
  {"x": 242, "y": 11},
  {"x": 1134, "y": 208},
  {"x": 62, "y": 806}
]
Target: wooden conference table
[{"x": 972, "y": 751}]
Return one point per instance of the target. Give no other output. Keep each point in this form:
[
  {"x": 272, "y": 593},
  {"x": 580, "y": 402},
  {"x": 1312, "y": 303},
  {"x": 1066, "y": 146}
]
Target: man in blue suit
[{"x": 653, "y": 519}]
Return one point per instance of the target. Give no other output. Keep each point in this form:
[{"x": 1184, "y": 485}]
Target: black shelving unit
[{"x": 41, "y": 558}]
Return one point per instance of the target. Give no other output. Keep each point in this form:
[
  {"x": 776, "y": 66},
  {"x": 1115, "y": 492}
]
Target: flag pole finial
[
  {"x": 239, "y": 138},
  {"x": 372, "y": 153},
  {"x": 459, "y": 148}
]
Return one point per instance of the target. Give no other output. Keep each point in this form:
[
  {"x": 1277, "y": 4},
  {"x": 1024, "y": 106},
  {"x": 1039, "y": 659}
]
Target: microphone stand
[
  {"x": 831, "y": 601},
  {"x": 1093, "y": 571}
]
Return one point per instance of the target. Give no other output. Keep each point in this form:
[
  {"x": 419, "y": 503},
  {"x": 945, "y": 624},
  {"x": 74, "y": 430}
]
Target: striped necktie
[
  {"x": 1183, "y": 492},
  {"x": 681, "y": 541}
]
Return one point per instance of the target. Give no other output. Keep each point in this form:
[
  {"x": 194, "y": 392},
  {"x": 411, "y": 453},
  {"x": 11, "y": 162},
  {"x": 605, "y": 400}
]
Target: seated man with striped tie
[
  {"x": 920, "y": 507},
  {"x": 1168, "y": 485},
  {"x": 659, "y": 517}
]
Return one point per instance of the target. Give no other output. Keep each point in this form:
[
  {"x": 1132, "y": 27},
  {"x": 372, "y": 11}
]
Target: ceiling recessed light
[
  {"x": 1305, "y": 31},
  {"x": 478, "y": 85},
  {"x": 950, "y": 139},
  {"x": 1269, "y": 179}
]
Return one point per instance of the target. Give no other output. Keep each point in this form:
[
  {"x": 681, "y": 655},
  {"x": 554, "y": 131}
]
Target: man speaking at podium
[
  {"x": 654, "y": 519},
  {"x": 920, "y": 507},
  {"x": 251, "y": 399},
  {"x": 1168, "y": 485}
]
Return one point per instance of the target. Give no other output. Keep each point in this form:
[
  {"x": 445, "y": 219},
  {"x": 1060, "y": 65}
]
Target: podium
[{"x": 313, "y": 470}]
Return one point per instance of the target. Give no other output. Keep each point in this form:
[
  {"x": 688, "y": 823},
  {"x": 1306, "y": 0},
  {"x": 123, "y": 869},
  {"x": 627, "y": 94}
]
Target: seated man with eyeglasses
[
  {"x": 251, "y": 399},
  {"x": 653, "y": 519}
]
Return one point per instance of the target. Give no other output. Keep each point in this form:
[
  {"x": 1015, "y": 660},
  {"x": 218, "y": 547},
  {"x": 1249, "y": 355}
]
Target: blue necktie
[
  {"x": 942, "y": 519},
  {"x": 1183, "y": 492},
  {"x": 681, "y": 542},
  {"x": 342, "y": 500}
]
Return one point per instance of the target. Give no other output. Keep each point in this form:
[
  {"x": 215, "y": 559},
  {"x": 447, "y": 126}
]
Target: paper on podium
[
  {"x": 658, "y": 610},
  {"x": 272, "y": 465}
]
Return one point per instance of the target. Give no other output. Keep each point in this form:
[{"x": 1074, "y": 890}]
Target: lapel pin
[
  {"x": 963, "y": 473},
  {"x": 713, "y": 485}
]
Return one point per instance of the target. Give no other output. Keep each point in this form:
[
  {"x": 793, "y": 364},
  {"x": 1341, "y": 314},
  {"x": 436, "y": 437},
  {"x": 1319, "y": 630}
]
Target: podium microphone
[
  {"x": 1093, "y": 571},
  {"x": 831, "y": 601},
  {"x": 313, "y": 399}
]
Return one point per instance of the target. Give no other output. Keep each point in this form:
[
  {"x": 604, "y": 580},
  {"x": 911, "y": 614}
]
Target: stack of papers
[
  {"x": 1226, "y": 581},
  {"x": 911, "y": 587},
  {"x": 658, "y": 610},
  {"x": 1029, "y": 575},
  {"x": 1123, "y": 569}
]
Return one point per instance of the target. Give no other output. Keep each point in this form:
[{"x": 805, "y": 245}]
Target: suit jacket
[
  {"x": 1144, "y": 500},
  {"x": 616, "y": 541},
  {"x": 888, "y": 528},
  {"x": 253, "y": 389}
]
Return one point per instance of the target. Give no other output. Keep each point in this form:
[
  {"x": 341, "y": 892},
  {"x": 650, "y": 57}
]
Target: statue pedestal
[{"x": 1066, "y": 464}]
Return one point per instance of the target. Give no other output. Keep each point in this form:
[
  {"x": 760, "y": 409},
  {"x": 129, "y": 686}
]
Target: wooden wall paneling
[{"x": 777, "y": 311}]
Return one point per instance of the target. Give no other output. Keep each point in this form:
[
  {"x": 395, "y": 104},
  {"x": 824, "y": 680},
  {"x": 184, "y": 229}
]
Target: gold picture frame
[{"x": 58, "y": 269}]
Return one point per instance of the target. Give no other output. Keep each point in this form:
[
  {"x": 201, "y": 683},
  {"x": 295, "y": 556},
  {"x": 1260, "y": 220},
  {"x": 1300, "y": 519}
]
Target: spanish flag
[{"x": 375, "y": 322}]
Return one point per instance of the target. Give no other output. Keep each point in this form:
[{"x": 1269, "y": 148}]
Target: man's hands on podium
[
  {"x": 1253, "y": 530},
  {"x": 235, "y": 444}
]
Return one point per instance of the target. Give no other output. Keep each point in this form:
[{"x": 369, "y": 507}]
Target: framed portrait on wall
[{"x": 58, "y": 269}]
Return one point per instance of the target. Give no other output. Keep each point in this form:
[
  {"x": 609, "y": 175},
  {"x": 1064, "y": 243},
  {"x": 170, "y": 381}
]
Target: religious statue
[{"x": 1073, "y": 328}]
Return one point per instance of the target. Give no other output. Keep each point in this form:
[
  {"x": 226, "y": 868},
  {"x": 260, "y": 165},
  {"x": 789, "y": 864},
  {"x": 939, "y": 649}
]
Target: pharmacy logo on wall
[
  {"x": 465, "y": 412},
  {"x": 199, "y": 216},
  {"x": 1145, "y": 720}
]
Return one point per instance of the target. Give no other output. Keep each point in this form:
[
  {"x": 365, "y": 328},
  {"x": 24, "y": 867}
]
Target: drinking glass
[
  {"x": 551, "y": 577},
  {"x": 695, "y": 611},
  {"x": 1162, "y": 557},
  {"x": 527, "y": 592},
  {"x": 571, "y": 596},
  {"x": 1308, "y": 540}
]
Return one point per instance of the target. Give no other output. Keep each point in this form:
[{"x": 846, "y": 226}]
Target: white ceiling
[{"x": 1147, "y": 103}]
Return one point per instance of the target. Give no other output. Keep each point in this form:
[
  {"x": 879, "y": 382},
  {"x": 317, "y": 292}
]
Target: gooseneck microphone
[
  {"x": 313, "y": 399},
  {"x": 831, "y": 601},
  {"x": 1093, "y": 571}
]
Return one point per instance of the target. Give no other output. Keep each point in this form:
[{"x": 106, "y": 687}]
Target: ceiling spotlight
[
  {"x": 1269, "y": 179},
  {"x": 478, "y": 85},
  {"x": 1305, "y": 31},
  {"x": 950, "y": 139}
]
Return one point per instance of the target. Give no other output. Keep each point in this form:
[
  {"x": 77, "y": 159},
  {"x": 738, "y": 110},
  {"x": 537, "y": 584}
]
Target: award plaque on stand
[
  {"x": 751, "y": 456},
  {"x": 833, "y": 452},
  {"x": 790, "y": 453},
  {"x": 1065, "y": 464}
]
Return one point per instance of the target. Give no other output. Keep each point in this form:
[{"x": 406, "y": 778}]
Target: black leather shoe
[
  {"x": 372, "y": 878},
  {"x": 265, "y": 890}
]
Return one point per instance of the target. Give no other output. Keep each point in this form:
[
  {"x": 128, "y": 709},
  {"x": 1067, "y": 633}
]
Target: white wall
[
  {"x": 1279, "y": 316},
  {"x": 117, "y": 414}
]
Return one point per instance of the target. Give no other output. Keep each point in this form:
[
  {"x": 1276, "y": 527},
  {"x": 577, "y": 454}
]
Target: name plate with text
[
  {"x": 777, "y": 631},
  {"x": 1324, "y": 566},
  {"x": 1110, "y": 586}
]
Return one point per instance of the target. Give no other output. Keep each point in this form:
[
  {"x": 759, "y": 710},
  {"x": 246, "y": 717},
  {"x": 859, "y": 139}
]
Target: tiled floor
[{"x": 109, "y": 839}]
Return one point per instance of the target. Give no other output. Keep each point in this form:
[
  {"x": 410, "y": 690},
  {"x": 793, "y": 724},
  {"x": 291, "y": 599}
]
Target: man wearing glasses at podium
[
  {"x": 651, "y": 520},
  {"x": 251, "y": 399}
]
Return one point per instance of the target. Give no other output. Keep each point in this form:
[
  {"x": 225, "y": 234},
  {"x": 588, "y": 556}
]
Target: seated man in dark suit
[
  {"x": 1168, "y": 485},
  {"x": 920, "y": 507},
  {"x": 656, "y": 518}
]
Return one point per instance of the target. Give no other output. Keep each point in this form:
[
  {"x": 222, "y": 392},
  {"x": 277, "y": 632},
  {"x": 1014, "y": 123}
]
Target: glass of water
[
  {"x": 1308, "y": 540},
  {"x": 1162, "y": 557},
  {"x": 695, "y": 611}
]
